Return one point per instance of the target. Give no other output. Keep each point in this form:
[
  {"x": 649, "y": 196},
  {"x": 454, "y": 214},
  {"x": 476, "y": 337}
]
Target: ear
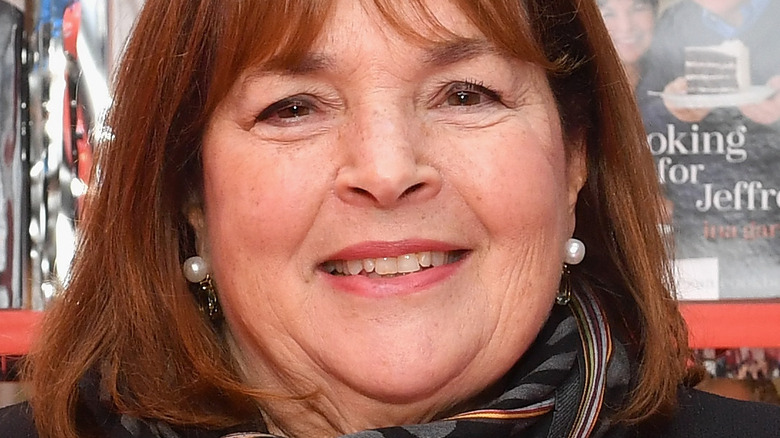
[
  {"x": 576, "y": 175},
  {"x": 196, "y": 219}
]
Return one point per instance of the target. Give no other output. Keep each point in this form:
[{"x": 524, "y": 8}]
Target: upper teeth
[{"x": 404, "y": 264}]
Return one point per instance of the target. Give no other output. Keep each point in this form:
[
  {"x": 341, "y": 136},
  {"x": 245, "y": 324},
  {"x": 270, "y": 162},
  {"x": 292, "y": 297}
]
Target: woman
[
  {"x": 630, "y": 24},
  {"x": 374, "y": 202}
]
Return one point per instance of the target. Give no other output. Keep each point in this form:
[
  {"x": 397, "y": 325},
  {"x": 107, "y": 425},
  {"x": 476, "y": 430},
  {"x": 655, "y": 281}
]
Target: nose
[
  {"x": 622, "y": 24},
  {"x": 385, "y": 165}
]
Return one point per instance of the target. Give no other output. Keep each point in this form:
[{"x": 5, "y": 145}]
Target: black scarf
[{"x": 567, "y": 384}]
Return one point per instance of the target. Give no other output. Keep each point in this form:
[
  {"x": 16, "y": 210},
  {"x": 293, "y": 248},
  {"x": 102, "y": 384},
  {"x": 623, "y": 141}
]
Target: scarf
[{"x": 567, "y": 385}]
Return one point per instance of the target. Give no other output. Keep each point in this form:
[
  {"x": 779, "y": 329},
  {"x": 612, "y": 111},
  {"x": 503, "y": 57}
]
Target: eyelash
[
  {"x": 290, "y": 102},
  {"x": 305, "y": 101},
  {"x": 471, "y": 86}
]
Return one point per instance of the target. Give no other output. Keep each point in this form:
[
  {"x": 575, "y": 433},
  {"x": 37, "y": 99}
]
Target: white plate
[{"x": 753, "y": 94}]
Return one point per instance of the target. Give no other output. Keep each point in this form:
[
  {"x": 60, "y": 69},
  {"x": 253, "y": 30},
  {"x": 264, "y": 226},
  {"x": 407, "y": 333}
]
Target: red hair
[{"x": 127, "y": 313}]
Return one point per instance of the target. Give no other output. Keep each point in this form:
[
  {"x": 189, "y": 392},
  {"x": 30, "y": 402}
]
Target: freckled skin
[{"x": 375, "y": 146}]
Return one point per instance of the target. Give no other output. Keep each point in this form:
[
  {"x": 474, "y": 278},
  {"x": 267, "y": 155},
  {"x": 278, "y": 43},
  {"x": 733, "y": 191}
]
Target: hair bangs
[
  {"x": 497, "y": 20},
  {"x": 276, "y": 34},
  {"x": 507, "y": 24}
]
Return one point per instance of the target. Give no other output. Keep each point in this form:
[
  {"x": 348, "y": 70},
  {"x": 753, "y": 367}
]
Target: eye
[
  {"x": 468, "y": 93},
  {"x": 464, "y": 98},
  {"x": 287, "y": 110}
]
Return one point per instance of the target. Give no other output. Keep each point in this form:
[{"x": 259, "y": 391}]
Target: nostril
[
  {"x": 412, "y": 189},
  {"x": 385, "y": 188},
  {"x": 361, "y": 192}
]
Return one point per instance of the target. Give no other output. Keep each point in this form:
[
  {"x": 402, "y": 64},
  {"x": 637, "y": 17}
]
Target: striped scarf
[{"x": 563, "y": 386}]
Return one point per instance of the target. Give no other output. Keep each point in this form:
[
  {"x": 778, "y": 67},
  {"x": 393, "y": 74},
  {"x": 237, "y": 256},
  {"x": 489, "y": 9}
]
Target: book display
[
  {"x": 706, "y": 76},
  {"x": 709, "y": 99},
  {"x": 707, "y": 80}
]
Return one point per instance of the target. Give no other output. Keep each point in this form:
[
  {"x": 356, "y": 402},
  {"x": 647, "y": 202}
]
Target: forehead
[
  {"x": 260, "y": 35},
  {"x": 440, "y": 28},
  {"x": 420, "y": 21}
]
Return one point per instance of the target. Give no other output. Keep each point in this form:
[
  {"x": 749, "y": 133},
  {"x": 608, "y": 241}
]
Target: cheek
[
  {"x": 516, "y": 182},
  {"x": 247, "y": 200},
  {"x": 259, "y": 204},
  {"x": 645, "y": 25},
  {"x": 611, "y": 25}
]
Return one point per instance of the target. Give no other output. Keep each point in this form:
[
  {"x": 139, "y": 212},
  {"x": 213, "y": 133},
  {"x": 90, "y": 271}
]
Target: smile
[{"x": 392, "y": 266}]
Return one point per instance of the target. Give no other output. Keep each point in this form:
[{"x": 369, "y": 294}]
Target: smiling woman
[
  {"x": 380, "y": 151},
  {"x": 382, "y": 208},
  {"x": 631, "y": 25}
]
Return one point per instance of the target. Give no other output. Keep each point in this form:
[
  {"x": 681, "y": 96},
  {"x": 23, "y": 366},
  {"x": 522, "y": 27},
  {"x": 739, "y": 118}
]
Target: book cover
[{"x": 707, "y": 79}]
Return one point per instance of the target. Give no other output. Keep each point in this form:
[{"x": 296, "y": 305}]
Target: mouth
[
  {"x": 390, "y": 267},
  {"x": 631, "y": 39}
]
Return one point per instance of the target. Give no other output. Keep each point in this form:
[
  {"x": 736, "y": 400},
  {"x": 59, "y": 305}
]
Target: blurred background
[{"x": 58, "y": 57}]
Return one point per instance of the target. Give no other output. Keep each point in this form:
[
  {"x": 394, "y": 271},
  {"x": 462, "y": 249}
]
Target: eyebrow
[
  {"x": 452, "y": 52},
  {"x": 310, "y": 63}
]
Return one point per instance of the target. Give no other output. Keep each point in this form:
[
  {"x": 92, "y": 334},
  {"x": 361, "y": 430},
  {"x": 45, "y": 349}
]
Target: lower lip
[{"x": 415, "y": 282}]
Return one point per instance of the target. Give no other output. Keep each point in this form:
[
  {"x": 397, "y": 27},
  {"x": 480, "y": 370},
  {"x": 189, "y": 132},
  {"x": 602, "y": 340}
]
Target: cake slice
[{"x": 720, "y": 69}]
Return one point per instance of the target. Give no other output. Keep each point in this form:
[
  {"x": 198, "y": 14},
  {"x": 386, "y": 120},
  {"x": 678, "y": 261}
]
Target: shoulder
[
  {"x": 16, "y": 421},
  {"x": 700, "y": 414},
  {"x": 679, "y": 25}
]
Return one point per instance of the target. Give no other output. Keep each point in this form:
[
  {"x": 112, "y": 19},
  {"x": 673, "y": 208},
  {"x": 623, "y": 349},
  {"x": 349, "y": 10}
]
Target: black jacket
[{"x": 700, "y": 415}]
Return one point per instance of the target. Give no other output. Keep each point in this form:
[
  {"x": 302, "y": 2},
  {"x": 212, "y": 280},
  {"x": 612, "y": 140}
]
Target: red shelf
[
  {"x": 711, "y": 324},
  {"x": 18, "y": 328},
  {"x": 733, "y": 324}
]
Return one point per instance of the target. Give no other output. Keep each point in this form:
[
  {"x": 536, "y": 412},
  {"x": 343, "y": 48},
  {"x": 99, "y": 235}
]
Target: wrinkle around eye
[
  {"x": 527, "y": 110},
  {"x": 473, "y": 121},
  {"x": 288, "y": 136},
  {"x": 316, "y": 117}
]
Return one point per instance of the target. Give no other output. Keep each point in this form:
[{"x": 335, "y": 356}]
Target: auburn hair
[{"x": 127, "y": 315}]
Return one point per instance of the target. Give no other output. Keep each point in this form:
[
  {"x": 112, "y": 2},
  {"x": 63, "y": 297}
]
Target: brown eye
[
  {"x": 293, "y": 111},
  {"x": 466, "y": 93},
  {"x": 464, "y": 98},
  {"x": 288, "y": 110}
]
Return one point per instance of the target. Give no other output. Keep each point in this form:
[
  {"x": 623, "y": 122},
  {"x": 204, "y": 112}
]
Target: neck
[
  {"x": 305, "y": 417},
  {"x": 733, "y": 18},
  {"x": 316, "y": 416},
  {"x": 297, "y": 406}
]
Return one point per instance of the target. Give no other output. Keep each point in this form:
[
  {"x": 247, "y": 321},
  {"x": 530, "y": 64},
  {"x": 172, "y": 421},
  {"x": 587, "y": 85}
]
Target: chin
[{"x": 435, "y": 381}]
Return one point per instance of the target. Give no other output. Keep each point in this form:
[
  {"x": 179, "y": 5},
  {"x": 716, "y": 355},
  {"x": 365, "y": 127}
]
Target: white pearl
[
  {"x": 575, "y": 251},
  {"x": 195, "y": 269}
]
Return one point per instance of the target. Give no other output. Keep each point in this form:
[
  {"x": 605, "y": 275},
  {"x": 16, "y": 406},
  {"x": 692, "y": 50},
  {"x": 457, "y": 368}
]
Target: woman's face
[
  {"x": 385, "y": 221},
  {"x": 630, "y": 24}
]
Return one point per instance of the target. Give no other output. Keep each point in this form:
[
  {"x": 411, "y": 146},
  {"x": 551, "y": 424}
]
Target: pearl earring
[
  {"x": 575, "y": 251},
  {"x": 196, "y": 271}
]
